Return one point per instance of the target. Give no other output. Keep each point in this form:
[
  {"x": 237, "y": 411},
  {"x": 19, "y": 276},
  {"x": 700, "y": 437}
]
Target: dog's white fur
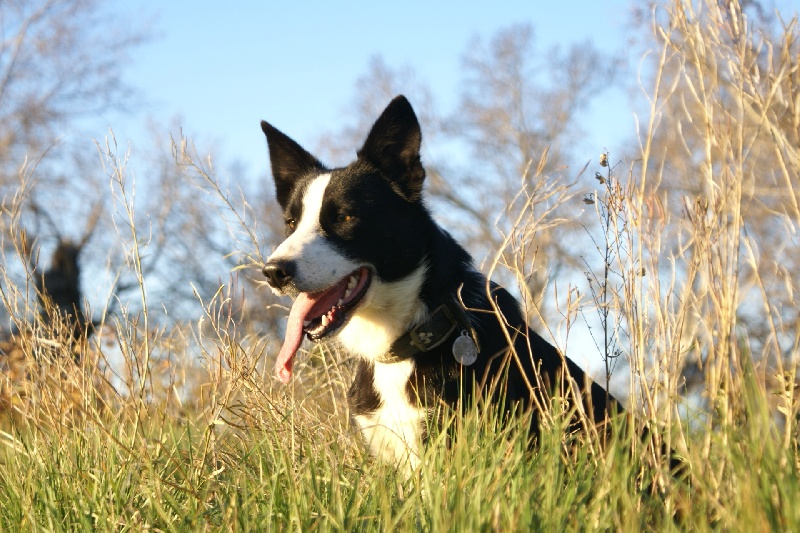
[{"x": 394, "y": 431}]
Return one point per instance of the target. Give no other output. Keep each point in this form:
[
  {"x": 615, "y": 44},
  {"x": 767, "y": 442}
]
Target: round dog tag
[{"x": 464, "y": 349}]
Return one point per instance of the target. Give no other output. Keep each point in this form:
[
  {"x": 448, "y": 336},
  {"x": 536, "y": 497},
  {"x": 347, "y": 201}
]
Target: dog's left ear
[{"x": 393, "y": 145}]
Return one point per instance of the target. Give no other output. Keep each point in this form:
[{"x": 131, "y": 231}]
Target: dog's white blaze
[
  {"x": 387, "y": 311},
  {"x": 319, "y": 265},
  {"x": 394, "y": 431}
]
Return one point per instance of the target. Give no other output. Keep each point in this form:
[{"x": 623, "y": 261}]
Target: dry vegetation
[{"x": 182, "y": 427}]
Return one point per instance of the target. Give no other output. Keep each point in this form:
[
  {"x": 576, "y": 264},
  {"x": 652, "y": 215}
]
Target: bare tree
[
  {"x": 511, "y": 129},
  {"x": 519, "y": 114},
  {"x": 58, "y": 288},
  {"x": 519, "y": 100},
  {"x": 59, "y": 60}
]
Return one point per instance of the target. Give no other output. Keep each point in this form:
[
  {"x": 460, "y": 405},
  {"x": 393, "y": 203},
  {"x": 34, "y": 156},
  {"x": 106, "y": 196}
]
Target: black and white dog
[{"x": 367, "y": 264}]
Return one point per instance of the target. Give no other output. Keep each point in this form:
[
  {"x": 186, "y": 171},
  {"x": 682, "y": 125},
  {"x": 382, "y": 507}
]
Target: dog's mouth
[
  {"x": 320, "y": 314},
  {"x": 349, "y": 291}
]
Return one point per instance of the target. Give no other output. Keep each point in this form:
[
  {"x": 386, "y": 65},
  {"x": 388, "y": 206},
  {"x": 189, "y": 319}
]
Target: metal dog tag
[{"x": 464, "y": 349}]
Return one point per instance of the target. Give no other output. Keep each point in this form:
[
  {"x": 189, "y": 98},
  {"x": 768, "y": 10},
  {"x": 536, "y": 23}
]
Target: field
[{"x": 247, "y": 455}]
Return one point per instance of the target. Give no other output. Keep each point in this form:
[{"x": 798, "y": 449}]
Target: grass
[
  {"x": 281, "y": 458},
  {"x": 194, "y": 434},
  {"x": 298, "y": 471}
]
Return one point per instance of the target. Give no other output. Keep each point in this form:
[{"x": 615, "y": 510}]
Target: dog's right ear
[{"x": 289, "y": 161}]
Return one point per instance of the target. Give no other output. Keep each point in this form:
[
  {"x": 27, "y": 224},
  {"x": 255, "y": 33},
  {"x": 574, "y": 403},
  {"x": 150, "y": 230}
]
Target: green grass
[{"x": 180, "y": 475}]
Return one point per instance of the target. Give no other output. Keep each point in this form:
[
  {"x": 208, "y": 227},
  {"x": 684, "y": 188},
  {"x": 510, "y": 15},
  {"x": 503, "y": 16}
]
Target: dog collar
[{"x": 446, "y": 321}]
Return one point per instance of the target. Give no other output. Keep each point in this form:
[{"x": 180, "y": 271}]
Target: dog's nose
[{"x": 279, "y": 273}]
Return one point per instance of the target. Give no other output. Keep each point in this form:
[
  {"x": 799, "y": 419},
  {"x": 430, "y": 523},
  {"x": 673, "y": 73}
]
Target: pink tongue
[
  {"x": 294, "y": 336},
  {"x": 306, "y": 305}
]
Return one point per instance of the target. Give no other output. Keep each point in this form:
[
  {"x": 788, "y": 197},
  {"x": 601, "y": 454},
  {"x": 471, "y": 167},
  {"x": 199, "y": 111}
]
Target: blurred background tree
[
  {"x": 60, "y": 60},
  {"x": 62, "y": 64},
  {"x": 519, "y": 104}
]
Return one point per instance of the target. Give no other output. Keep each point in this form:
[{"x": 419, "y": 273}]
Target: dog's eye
[
  {"x": 342, "y": 217},
  {"x": 291, "y": 223}
]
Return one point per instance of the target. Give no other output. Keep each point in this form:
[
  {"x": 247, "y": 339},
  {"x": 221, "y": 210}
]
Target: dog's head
[{"x": 353, "y": 235}]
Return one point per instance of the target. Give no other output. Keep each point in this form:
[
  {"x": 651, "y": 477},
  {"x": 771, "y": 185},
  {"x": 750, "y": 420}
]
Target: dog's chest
[{"x": 392, "y": 424}]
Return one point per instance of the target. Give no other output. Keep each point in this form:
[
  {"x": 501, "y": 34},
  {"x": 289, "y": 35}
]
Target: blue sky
[{"x": 222, "y": 67}]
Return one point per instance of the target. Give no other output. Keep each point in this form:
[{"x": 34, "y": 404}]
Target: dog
[{"x": 367, "y": 265}]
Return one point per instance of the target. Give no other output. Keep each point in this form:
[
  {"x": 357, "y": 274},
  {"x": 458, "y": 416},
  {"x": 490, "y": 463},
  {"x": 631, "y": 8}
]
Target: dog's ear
[
  {"x": 393, "y": 145},
  {"x": 289, "y": 161}
]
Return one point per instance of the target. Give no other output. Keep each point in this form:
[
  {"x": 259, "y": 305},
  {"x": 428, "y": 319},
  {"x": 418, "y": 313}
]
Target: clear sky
[{"x": 224, "y": 66}]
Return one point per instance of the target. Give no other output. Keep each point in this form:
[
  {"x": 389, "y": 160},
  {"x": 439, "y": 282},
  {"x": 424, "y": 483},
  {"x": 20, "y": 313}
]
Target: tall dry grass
[{"x": 712, "y": 220}]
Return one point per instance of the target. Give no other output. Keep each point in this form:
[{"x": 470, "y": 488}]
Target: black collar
[{"x": 446, "y": 322}]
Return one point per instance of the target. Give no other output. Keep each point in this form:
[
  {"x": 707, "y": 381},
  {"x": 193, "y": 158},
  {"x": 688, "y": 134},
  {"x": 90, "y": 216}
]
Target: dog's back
[{"x": 515, "y": 365}]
